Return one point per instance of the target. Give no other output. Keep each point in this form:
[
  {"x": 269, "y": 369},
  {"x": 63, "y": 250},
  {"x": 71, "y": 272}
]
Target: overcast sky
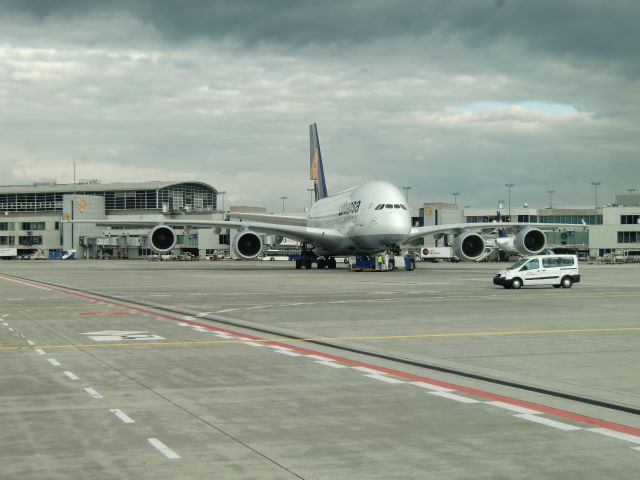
[{"x": 443, "y": 96}]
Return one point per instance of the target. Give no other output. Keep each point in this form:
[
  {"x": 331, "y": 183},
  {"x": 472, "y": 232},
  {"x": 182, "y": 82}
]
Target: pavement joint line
[{"x": 604, "y": 425}]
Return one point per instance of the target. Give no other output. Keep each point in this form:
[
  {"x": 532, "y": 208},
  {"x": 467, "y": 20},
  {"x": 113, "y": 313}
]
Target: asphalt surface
[{"x": 243, "y": 370}]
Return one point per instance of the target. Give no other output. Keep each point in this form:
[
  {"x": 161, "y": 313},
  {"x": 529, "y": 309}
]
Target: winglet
[{"x": 317, "y": 170}]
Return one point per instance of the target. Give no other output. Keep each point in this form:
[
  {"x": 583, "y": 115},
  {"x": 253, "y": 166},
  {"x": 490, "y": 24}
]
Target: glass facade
[{"x": 187, "y": 197}]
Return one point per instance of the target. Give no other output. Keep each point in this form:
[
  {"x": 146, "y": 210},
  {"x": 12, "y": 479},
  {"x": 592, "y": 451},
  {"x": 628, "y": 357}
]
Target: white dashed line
[
  {"x": 330, "y": 363},
  {"x": 318, "y": 357},
  {"x": 182, "y": 324},
  {"x": 92, "y": 392},
  {"x": 5, "y": 315},
  {"x": 71, "y": 375},
  {"x": 201, "y": 329},
  {"x": 384, "y": 378},
  {"x": 614, "y": 434},
  {"x": 121, "y": 415},
  {"x": 548, "y": 422},
  {"x": 162, "y": 448},
  {"x": 30, "y": 343},
  {"x": 453, "y": 396},
  {"x": 259, "y": 306},
  {"x": 40, "y": 351},
  {"x": 430, "y": 386},
  {"x": 513, "y": 408},
  {"x": 11, "y": 329},
  {"x": 253, "y": 344},
  {"x": 5, "y": 324},
  {"x": 203, "y": 314},
  {"x": 228, "y": 310},
  {"x": 53, "y": 362},
  {"x": 368, "y": 370},
  {"x": 223, "y": 335}
]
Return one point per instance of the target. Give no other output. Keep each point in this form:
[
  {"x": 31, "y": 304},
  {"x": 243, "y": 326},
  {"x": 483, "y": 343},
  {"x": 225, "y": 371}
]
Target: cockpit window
[
  {"x": 403, "y": 207},
  {"x": 388, "y": 205},
  {"x": 396, "y": 206},
  {"x": 380, "y": 207}
]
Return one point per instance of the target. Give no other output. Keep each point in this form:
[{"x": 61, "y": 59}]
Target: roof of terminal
[{"x": 94, "y": 187}]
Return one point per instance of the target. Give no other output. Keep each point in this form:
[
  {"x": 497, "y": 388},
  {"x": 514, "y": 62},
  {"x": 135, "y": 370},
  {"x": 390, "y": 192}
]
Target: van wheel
[
  {"x": 516, "y": 283},
  {"x": 567, "y": 282}
]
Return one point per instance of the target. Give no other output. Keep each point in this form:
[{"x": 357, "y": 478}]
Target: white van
[{"x": 556, "y": 270}]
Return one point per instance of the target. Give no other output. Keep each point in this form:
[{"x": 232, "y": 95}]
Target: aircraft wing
[
  {"x": 294, "y": 232},
  {"x": 271, "y": 218},
  {"x": 488, "y": 227}
]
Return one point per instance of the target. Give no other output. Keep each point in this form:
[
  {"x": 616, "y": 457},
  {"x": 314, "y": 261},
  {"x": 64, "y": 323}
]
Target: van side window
[
  {"x": 551, "y": 262},
  {"x": 566, "y": 262},
  {"x": 533, "y": 265}
]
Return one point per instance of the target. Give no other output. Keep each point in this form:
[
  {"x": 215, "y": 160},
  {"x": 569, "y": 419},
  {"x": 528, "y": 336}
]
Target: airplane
[{"x": 363, "y": 220}]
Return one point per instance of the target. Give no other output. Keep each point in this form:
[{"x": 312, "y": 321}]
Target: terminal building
[{"x": 32, "y": 217}]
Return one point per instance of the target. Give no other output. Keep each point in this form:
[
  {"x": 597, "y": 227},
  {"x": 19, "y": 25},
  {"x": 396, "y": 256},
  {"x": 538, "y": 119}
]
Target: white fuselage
[{"x": 363, "y": 219}]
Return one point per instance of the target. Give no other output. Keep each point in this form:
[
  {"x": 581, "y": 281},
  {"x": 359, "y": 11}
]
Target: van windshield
[{"x": 518, "y": 264}]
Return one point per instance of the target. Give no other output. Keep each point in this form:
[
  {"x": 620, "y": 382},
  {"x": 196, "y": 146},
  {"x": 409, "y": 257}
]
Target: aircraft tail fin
[{"x": 317, "y": 170}]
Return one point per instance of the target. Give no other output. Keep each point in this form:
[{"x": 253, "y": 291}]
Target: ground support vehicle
[{"x": 556, "y": 270}]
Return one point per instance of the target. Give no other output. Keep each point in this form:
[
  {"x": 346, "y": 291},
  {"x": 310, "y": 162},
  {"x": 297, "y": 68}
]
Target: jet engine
[
  {"x": 528, "y": 241},
  {"x": 468, "y": 246},
  {"x": 162, "y": 239},
  {"x": 247, "y": 245}
]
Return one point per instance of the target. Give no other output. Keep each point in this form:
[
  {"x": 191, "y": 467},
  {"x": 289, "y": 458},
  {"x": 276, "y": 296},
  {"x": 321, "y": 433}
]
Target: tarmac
[{"x": 255, "y": 370}]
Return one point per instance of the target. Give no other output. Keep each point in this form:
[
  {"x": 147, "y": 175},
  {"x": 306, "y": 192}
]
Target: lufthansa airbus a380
[{"x": 363, "y": 220}]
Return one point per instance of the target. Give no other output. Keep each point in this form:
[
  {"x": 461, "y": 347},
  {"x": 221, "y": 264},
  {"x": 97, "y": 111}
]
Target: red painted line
[{"x": 418, "y": 378}]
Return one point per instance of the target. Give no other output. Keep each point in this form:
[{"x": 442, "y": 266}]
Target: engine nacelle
[
  {"x": 468, "y": 246},
  {"x": 162, "y": 239},
  {"x": 247, "y": 245},
  {"x": 529, "y": 241}
]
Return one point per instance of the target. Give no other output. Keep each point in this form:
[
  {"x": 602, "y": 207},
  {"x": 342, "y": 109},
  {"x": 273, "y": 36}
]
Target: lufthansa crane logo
[{"x": 82, "y": 205}]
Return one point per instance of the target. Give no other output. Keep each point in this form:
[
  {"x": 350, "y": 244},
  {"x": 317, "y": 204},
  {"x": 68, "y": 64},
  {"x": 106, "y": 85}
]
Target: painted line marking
[
  {"x": 5, "y": 324},
  {"x": 614, "y": 434},
  {"x": 30, "y": 343},
  {"x": 431, "y": 386},
  {"x": 40, "y": 351},
  {"x": 228, "y": 310},
  {"x": 384, "y": 378},
  {"x": 162, "y": 448},
  {"x": 319, "y": 357},
  {"x": 368, "y": 370},
  {"x": 5, "y": 315},
  {"x": 608, "y": 425},
  {"x": 200, "y": 329},
  {"x": 53, "y": 362},
  {"x": 253, "y": 344},
  {"x": 331, "y": 363},
  {"x": 92, "y": 392},
  {"x": 223, "y": 335},
  {"x": 11, "y": 329},
  {"x": 182, "y": 324},
  {"x": 71, "y": 375},
  {"x": 548, "y": 422},
  {"x": 203, "y": 314},
  {"x": 121, "y": 415},
  {"x": 453, "y": 396},
  {"x": 514, "y": 408}
]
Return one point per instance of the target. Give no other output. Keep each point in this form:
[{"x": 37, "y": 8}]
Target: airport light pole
[
  {"x": 550, "y": 192},
  {"x": 509, "y": 185},
  {"x": 595, "y": 187},
  {"x": 455, "y": 197},
  {"x": 406, "y": 192},
  {"x": 283, "y": 198}
]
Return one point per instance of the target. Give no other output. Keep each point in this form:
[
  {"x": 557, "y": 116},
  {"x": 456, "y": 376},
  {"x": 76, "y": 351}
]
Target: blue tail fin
[{"x": 317, "y": 170}]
